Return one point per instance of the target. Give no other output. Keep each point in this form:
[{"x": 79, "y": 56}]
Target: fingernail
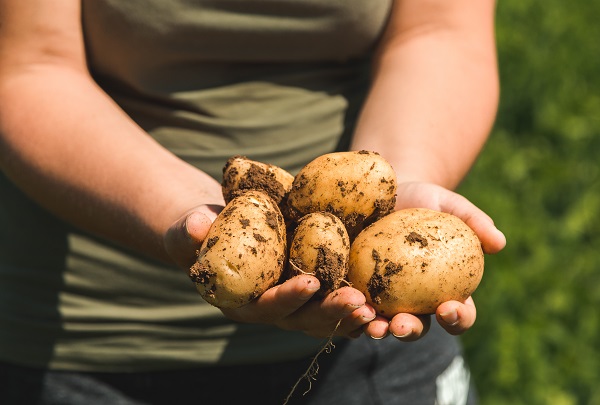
[
  {"x": 367, "y": 318},
  {"x": 308, "y": 292},
  {"x": 402, "y": 336},
  {"x": 379, "y": 337},
  {"x": 368, "y": 314},
  {"x": 451, "y": 317},
  {"x": 186, "y": 228}
]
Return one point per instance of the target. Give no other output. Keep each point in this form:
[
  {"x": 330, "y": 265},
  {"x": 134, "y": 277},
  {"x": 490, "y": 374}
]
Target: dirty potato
[
  {"x": 415, "y": 259},
  {"x": 241, "y": 173},
  {"x": 244, "y": 252},
  {"x": 358, "y": 187},
  {"x": 320, "y": 246}
]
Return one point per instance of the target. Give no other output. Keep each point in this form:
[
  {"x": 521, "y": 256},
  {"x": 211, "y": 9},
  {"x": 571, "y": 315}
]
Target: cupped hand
[
  {"x": 289, "y": 306},
  {"x": 454, "y": 316},
  {"x": 432, "y": 196}
]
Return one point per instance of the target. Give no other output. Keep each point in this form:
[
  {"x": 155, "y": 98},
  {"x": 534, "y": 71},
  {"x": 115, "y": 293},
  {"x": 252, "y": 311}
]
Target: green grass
[{"x": 538, "y": 327}]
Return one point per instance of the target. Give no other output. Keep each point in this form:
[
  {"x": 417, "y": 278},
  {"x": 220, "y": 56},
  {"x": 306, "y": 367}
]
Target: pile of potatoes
[{"x": 335, "y": 220}]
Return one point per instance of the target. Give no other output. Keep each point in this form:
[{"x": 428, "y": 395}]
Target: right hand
[
  {"x": 183, "y": 239},
  {"x": 286, "y": 305}
]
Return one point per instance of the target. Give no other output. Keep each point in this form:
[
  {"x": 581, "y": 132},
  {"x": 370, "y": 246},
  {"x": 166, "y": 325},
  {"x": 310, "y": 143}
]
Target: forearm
[
  {"x": 432, "y": 103},
  {"x": 69, "y": 146}
]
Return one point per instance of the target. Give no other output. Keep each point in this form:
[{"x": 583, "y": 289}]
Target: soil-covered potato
[
  {"x": 320, "y": 246},
  {"x": 241, "y": 173},
  {"x": 415, "y": 259},
  {"x": 358, "y": 187},
  {"x": 244, "y": 252}
]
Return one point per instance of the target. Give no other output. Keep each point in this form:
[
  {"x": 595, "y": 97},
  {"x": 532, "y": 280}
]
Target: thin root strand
[{"x": 311, "y": 372}]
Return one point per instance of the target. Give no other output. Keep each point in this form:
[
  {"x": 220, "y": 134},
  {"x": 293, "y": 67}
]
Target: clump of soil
[
  {"x": 330, "y": 270},
  {"x": 203, "y": 275},
  {"x": 414, "y": 237},
  {"x": 380, "y": 281},
  {"x": 255, "y": 178}
]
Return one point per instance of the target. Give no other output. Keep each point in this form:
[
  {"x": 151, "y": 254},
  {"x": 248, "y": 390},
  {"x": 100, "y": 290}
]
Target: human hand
[
  {"x": 289, "y": 306},
  {"x": 455, "y": 317},
  {"x": 432, "y": 196},
  {"x": 183, "y": 239}
]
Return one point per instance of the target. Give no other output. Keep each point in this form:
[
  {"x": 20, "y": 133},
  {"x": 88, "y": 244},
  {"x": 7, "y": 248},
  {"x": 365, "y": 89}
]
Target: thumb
[{"x": 183, "y": 239}]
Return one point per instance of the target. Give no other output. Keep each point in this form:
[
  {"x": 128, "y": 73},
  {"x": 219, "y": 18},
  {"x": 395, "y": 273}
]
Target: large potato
[
  {"x": 241, "y": 173},
  {"x": 320, "y": 246},
  {"x": 244, "y": 252},
  {"x": 358, "y": 187},
  {"x": 413, "y": 260}
]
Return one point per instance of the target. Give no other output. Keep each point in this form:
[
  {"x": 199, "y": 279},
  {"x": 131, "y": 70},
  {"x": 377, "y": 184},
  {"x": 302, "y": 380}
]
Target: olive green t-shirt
[{"x": 278, "y": 81}]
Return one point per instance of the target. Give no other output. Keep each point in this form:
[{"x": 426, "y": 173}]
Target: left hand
[{"x": 454, "y": 316}]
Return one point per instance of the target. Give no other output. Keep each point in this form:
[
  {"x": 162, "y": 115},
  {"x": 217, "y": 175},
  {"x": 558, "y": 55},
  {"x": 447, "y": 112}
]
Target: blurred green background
[{"x": 537, "y": 336}]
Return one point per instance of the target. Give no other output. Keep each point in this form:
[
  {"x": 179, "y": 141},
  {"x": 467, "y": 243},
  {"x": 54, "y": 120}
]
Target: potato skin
[
  {"x": 358, "y": 187},
  {"x": 241, "y": 173},
  {"x": 415, "y": 259},
  {"x": 320, "y": 246},
  {"x": 244, "y": 252}
]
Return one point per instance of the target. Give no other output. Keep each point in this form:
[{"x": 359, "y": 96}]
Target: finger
[
  {"x": 277, "y": 303},
  {"x": 185, "y": 236},
  {"x": 456, "y": 317},
  {"x": 353, "y": 324},
  {"x": 342, "y": 303},
  {"x": 492, "y": 239},
  {"x": 378, "y": 328},
  {"x": 408, "y": 328},
  {"x": 320, "y": 318},
  {"x": 196, "y": 223}
]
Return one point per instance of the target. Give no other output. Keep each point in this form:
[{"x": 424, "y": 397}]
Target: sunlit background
[{"x": 537, "y": 337}]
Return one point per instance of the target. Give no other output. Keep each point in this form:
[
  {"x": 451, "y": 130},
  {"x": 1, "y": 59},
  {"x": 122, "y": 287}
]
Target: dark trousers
[{"x": 362, "y": 372}]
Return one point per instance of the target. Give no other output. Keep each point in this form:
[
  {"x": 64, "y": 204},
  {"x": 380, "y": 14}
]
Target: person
[{"x": 116, "y": 119}]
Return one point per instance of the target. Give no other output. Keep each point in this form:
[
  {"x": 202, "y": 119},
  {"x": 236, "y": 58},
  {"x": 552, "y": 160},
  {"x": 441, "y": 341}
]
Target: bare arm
[
  {"x": 71, "y": 148},
  {"x": 435, "y": 89},
  {"x": 431, "y": 106},
  {"x": 432, "y": 103},
  {"x": 75, "y": 152}
]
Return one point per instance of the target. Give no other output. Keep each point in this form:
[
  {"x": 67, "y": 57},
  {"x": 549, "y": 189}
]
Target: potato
[
  {"x": 320, "y": 246},
  {"x": 413, "y": 260},
  {"x": 357, "y": 187},
  {"x": 241, "y": 173},
  {"x": 244, "y": 252}
]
